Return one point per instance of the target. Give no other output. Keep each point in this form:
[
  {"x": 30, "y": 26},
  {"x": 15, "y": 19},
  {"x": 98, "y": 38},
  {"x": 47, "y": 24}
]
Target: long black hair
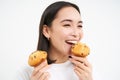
[{"x": 47, "y": 17}]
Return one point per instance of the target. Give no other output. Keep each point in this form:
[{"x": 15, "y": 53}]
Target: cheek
[
  {"x": 56, "y": 36},
  {"x": 81, "y": 34},
  {"x": 67, "y": 31},
  {"x": 61, "y": 33}
]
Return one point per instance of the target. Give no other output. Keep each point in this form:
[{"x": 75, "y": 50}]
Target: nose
[{"x": 76, "y": 33}]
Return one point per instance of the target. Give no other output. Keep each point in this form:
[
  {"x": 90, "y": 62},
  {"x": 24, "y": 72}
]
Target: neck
[{"x": 59, "y": 57}]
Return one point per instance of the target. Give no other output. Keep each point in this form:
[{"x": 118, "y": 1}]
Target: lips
[{"x": 71, "y": 41}]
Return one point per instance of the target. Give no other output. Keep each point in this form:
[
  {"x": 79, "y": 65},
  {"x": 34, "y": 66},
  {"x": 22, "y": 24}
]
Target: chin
[{"x": 67, "y": 52}]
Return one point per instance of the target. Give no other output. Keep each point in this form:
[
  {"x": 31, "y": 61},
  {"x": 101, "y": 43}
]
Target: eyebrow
[{"x": 69, "y": 20}]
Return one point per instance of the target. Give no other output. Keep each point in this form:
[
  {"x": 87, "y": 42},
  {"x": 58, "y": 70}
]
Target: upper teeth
[{"x": 72, "y": 42}]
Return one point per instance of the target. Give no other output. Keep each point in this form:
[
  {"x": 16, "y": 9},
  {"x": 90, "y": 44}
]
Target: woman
[{"x": 60, "y": 26}]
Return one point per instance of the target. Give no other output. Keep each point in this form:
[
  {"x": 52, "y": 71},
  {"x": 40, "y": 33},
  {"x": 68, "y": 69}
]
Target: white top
[{"x": 62, "y": 71}]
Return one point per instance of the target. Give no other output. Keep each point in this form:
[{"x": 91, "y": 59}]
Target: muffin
[
  {"x": 80, "y": 49},
  {"x": 36, "y": 58}
]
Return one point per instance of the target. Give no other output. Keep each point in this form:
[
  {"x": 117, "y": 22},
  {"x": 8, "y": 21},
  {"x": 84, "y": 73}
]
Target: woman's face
[{"x": 66, "y": 29}]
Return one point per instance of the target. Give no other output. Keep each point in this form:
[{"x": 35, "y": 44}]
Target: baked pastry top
[
  {"x": 80, "y": 49},
  {"x": 36, "y": 58}
]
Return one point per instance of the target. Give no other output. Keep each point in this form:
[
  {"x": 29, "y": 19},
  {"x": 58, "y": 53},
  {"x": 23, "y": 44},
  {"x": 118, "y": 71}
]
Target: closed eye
[
  {"x": 66, "y": 25},
  {"x": 80, "y": 26}
]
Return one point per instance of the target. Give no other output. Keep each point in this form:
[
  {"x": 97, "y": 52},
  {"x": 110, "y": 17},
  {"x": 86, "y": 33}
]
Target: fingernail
[{"x": 70, "y": 56}]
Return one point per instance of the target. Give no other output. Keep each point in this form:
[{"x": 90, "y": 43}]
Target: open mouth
[{"x": 71, "y": 42}]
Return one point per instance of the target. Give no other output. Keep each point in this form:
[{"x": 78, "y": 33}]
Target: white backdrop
[{"x": 19, "y": 21}]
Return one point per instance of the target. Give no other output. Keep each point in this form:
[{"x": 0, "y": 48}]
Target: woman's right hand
[{"x": 39, "y": 72}]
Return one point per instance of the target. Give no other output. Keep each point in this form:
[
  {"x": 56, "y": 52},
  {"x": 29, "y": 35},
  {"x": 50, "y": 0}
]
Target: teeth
[{"x": 72, "y": 42}]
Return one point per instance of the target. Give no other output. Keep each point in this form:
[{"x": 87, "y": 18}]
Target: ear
[{"x": 46, "y": 31}]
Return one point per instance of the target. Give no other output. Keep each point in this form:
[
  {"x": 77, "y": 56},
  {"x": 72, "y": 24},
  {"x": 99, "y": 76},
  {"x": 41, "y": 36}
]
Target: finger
[
  {"x": 82, "y": 66},
  {"x": 44, "y": 63},
  {"x": 44, "y": 69},
  {"x": 48, "y": 77},
  {"x": 44, "y": 76},
  {"x": 81, "y": 73},
  {"x": 79, "y": 64},
  {"x": 87, "y": 63},
  {"x": 82, "y": 60},
  {"x": 35, "y": 72},
  {"x": 39, "y": 73},
  {"x": 35, "y": 77},
  {"x": 40, "y": 66}
]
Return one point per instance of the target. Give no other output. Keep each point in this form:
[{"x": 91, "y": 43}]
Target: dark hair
[{"x": 47, "y": 17}]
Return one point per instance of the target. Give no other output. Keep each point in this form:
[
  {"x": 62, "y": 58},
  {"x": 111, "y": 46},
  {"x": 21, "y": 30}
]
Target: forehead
[{"x": 68, "y": 13}]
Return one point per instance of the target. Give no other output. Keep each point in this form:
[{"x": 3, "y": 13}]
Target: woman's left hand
[{"x": 82, "y": 68}]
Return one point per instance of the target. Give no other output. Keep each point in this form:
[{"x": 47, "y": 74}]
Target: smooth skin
[
  {"x": 39, "y": 72},
  {"x": 66, "y": 27},
  {"x": 82, "y": 67}
]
